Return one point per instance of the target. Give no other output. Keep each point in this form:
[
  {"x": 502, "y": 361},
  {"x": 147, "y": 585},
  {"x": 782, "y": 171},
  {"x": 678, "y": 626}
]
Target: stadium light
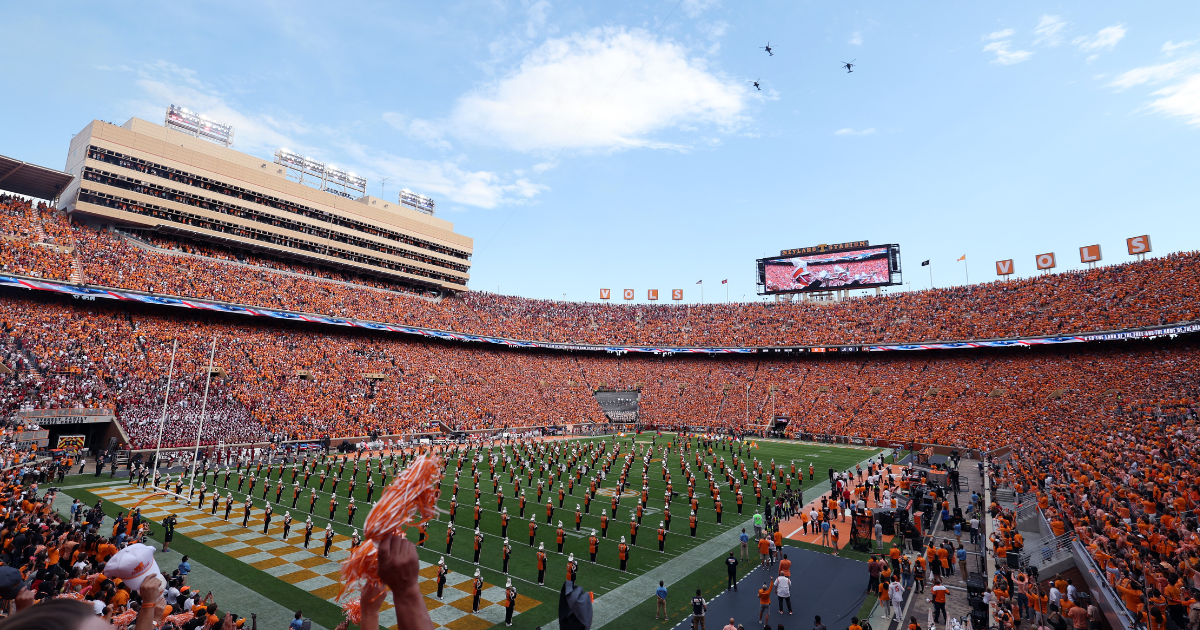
[
  {"x": 198, "y": 125},
  {"x": 420, "y": 203},
  {"x": 324, "y": 176}
]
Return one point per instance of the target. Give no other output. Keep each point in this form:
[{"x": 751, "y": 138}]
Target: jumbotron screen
[{"x": 858, "y": 268}]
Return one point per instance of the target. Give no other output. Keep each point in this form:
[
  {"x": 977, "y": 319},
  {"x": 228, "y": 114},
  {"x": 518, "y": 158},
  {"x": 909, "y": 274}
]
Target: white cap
[
  {"x": 622, "y": 539},
  {"x": 132, "y": 565},
  {"x": 593, "y": 532},
  {"x": 442, "y": 560},
  {"x": 560, "y": 523},
  {"x": 541, "y": 545}
]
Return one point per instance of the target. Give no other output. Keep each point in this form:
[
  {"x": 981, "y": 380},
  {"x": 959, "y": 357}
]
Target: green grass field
[{"x": 601, "y": 577}]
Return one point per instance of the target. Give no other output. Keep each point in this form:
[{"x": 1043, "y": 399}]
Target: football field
[{"x": 276, "y": 568}]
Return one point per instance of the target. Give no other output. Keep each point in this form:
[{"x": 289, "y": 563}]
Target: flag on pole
[
  {"x": 925, "y": 264},
  {"x": 725, "y": 281},
  {"x": 964, "y": 257},
  {"x": 699, "y": 282}
]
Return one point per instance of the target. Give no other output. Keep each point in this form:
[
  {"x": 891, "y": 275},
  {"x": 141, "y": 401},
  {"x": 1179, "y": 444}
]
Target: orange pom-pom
[{"x": 411, "y": 499}]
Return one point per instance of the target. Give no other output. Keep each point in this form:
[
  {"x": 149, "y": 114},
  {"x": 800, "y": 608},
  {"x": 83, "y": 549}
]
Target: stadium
[{"x": 286, "y": 402}]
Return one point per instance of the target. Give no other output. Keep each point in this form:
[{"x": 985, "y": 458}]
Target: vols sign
[
  {"x": 676, "y": 294},
  {"x": 605, "y": 294},
  {"x": 1045, "y": 261},
  {"x": 1138, "y": 245},
  {"x": 628, "y": 294},
  {"x": 1089, "y": 253},
  {"x": 1004, "y": 267},
  {"x": 651, "y": 294}
]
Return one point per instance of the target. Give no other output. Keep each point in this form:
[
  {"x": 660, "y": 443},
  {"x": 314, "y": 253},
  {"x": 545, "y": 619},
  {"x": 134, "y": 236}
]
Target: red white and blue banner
[{"x": 85, "y": 292}]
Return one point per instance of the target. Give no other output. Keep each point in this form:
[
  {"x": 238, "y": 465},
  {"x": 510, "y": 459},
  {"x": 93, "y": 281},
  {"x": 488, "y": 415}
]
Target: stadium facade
[{"x": 144, "y": 176}]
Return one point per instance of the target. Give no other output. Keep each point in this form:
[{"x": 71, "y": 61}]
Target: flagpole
[
  {"x": 966, "y": 272},
  {"x": 203, "y": 408},
  {"x": 162, "y": 423},
  {"x": 930, "y": 275}
]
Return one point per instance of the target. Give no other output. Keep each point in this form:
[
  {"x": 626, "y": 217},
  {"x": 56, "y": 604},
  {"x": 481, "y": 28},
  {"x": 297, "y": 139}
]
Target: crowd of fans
[
  {"x": 71, "y": 565},
  {"x": 33, "y": 242},
  {"x": 1134, "y": 294},
  {"x": 305, "y": 381},
  {"x": 1126, "y": 486}
]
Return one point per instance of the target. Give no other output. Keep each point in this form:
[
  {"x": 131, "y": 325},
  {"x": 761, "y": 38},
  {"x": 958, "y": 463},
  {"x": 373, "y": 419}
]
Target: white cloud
[
  {"x": 165, "y": 83},
  {"x": 1004, "y": 56},
  {"x": 605, "y": 89},
  {"x": 1171, "y": 47},
  {"x": 261, "y": 133},
  {"x": 852, "y": 132},
  {"x": 1049, "y": 30},
  {"x": 538, "y": 12},
  {"x": 1105, "y": 39},
  {"x": 417, "y": 129},
  {"x": 694, "y": 8},
  {"x": 1181, "y": 100},
  {"x": 1008, "y": 32},
  {"x": 1156, "y": 74},
  {"x": 446, "y": 179},
  {"x": 855, "y": 39}
]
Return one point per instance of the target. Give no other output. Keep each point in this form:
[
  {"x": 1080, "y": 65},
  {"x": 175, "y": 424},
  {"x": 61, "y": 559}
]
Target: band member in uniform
[
  {"x": 578, "y": 517},
  {"x": 216, "y": 499},
  {"x": 633, "y": 530},
  {"x": 478, "y": 513},
  {"x": 287, "y": 525},
  {"x": 441, "y": 576},
  {"x": 308, "y": 527},
  {"x": 603, "y": 525},
  {"x": 267, "y": 518},
  {"x": 246, "y": 512},
  {"x": 549, "y": 512},
  {"x": 572, "y": 568},
  {"x": 203, "y": 491},
  {"x": 295, "y": 494},
  {"x": 350, "y": 510},
  {"x": 422, "y": 535},
  {"x": 623, "y": 553},
  {"x": 510, "y": 602},
  {"x": 476, "y": 591},
  {"x": 228, "y": 504},
  {"x": 532, "y": 531},
  {"x": 449, "y": 539},
  {"x": 333, "y": 505},
  {"x": 328, "y": 539},
  {"x": 559, "y": 536},
  {"x": 692, "y": 523},
  {"x": 504, "y": 523},
  {"x": 478, "y": 545},
  {"x": 506, "y": 555},
  {"x": 593, "y": 543},
  {"x": 541, "y": 564},
  {"x": 312, "y": 502}
]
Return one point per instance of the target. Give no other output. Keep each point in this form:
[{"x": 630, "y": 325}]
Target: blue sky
[{"x": 621, "y": 145}]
